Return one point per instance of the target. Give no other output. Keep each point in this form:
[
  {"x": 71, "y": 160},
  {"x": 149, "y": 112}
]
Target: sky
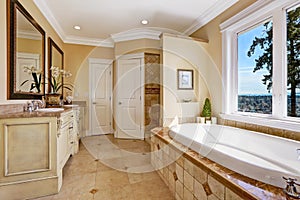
[{"x": 249, "y": 82}]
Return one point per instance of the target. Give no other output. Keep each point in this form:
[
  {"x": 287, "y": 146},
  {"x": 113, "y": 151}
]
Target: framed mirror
[
  {"x": 26, "y": 54},
  {"x": 55, "y": 66}
]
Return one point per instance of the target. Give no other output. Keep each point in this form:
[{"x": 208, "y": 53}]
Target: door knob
[
  {"x": 94, "y": 102},
  {"x": 120, "y": 103}
]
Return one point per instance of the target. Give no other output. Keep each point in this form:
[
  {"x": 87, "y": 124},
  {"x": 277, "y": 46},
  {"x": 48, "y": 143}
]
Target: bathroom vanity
[{"x": 34, "y": 147}]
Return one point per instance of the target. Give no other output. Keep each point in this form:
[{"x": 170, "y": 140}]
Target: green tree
[{"x": 265, "y": 43}]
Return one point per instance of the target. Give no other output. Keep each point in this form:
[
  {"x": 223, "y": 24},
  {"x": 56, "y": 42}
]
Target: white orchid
[
  {"x": 36, "y": 75},
  {"x": 56, "y": 79}
]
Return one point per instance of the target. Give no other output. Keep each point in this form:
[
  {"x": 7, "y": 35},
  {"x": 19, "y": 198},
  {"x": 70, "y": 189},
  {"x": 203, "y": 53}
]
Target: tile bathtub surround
[
  {"x": 190, "y": 176},
  {"x": 293, "y": 135}
]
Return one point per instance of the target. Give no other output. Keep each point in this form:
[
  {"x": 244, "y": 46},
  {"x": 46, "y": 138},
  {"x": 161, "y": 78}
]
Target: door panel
[
  {"x": 128, "y": 99},
  {"x": 101, "y": 114}
]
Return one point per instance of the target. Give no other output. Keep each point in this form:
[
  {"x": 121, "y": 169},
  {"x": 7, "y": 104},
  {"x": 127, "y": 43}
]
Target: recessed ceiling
[{"x": 102, "y": 20}]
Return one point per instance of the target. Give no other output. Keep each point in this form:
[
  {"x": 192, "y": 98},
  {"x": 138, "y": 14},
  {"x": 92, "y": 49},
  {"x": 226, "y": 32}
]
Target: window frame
[{"x": 258, "y": 12}]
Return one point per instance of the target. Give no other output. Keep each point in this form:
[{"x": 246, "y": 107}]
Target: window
[
  {"x": 261, "y": 64},
  {"x": 293, "y": 61},
  {"x": 255, "y": 69}
]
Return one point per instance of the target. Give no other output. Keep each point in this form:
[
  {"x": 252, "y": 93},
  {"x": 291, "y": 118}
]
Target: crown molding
[
  {"x": 136, "y": 34},
  {"x": 29, "y": 35},
  {"x": 251, "y": 12},
  {"x": 209, "y": 15},
  {"x": 42, "y": 6},
  {"x": 89, "y": 41}
]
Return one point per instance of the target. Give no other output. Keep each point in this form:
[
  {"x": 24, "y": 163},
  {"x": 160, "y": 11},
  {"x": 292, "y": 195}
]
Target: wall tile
[
  {"x": 177, "y": 197},
  {"x": 292, "y": 135},
  {"x": 179, "y": 189},
  {"x": 216, "y": 187},
  {"x": 229, "y": 195},
  {"x": 262, "y": 129},
  {"x": 275, "y": 131},
  {"x": 212, "y": 197},
  {"x": 200, "y": 175},
  {"x": 240, "y": 125},
  {"x": 187, "y": 195},
  {"x": 171, "y": 182},
  {"x": 251, "y": 127},
  {"x": 188, "y": 181},
  {"x": 179, "y": 172},
  {"x": 188, "y": 166},
  {"x": 199, "y": 191},
  {"x": 180, "y": 161},
  {"x": 172, "y": 167},
  {"x": 230, "y": 123}
]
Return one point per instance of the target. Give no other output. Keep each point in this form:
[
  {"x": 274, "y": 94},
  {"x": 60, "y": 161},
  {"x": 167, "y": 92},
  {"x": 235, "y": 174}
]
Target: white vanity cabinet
[
  {"x": 67, "y": 136},
  {"x": 28, "y": 166},
  {"x": 34, "y": 148}
]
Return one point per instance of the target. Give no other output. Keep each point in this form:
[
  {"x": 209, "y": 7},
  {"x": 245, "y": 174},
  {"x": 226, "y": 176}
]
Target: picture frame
[{"x": 185, "y": 79}]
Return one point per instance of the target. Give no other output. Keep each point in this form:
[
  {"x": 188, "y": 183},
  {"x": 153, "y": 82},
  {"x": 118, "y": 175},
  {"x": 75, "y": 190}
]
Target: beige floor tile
[
  {"x": 86, "y": 177},
  {"x": 45, "y": 198}
]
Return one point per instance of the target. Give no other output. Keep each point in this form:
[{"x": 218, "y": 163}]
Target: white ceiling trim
[
  {"x": 29, "y": 35},
  {"x": 50, "y": 18},
  {"x": 89, "y": 41},
  {"x": 209, "y": 15},
  {"x": 136, "y": 34}
]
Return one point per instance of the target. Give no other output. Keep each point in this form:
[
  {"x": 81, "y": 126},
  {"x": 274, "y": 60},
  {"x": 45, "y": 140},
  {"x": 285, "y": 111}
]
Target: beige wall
[
  {"x": 29, "y": 46},
  {"x": 137, "y": 46},
  {"x": 79, "y": 66},
  {"x": 212, "y": 33},
  {"x": 3, "y": 54},
  {"x": 180, "y": 53},
  {"x": 36, "y": 14}
]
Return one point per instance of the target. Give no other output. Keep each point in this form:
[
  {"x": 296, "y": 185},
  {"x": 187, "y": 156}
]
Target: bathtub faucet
[{"x": 291, "y": 189}]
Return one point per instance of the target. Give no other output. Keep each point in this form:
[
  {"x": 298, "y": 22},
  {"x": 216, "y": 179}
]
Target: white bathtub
[{"x": 259, "y": 156}]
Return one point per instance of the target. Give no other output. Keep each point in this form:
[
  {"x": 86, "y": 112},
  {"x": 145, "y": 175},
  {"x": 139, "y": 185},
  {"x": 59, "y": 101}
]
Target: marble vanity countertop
[{"x": 27, "y": 114}]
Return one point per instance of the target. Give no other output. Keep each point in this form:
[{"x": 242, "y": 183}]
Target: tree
[{"x": 265, "y": 43}]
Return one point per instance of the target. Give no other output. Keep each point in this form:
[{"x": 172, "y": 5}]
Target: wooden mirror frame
[
  {"x": 51, "y": 45},
  {"x": 12, "y": 7}
]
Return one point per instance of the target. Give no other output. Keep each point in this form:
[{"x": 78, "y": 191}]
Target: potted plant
[
  {"x": 206, "y": 111},
  {"x": 56, "y": 84}
]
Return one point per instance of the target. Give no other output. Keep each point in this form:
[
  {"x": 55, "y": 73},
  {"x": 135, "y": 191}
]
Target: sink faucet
[
  {"x": 38, "y": 104},
  {"x": 291, "y": 189}
]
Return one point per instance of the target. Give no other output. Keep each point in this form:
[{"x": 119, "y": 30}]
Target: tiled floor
[{"x": 128, "y": 177}]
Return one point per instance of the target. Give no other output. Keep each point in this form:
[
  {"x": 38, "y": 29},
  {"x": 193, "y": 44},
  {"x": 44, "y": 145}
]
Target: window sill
[{"x": 286, "y": 124}]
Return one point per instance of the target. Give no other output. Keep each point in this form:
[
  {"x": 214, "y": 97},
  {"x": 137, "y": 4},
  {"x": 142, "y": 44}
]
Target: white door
[
  {"x": 25, "y": 60},
  {"x": 100, "y": 96},
  {"x": 129, "y": 99}
]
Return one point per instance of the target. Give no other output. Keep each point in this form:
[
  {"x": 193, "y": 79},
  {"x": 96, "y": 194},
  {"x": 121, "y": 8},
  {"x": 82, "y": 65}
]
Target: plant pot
[{"x": 52, "y": 99}]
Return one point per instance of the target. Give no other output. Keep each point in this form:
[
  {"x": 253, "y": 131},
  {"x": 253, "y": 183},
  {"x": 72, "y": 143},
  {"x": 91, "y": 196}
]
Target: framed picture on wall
[{"x": 185, "y": 79}]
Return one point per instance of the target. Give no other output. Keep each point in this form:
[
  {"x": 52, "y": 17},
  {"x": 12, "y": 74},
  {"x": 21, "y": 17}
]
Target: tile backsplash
[{"x": 294, "y": 135}]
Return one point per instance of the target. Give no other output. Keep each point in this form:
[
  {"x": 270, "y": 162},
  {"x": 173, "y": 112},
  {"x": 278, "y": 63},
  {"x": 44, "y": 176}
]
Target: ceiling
[{"x": 104, "y": 22}]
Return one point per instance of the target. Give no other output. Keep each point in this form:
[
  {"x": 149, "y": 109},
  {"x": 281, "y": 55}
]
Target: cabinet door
[
  {"x": 27, "y": 148},
  {"x": 63, "y": 147}
]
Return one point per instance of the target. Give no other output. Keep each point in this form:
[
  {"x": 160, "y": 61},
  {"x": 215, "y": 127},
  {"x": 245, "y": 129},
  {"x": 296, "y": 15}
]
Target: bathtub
[{"x": 259, "y": 156}]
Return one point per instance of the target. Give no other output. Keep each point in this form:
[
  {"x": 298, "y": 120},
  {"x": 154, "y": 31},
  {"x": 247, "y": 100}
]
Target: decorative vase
[{"x": 52, "y": 99}]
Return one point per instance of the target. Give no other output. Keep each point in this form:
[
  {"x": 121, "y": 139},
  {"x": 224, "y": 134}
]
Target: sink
[
  {"x": 50, "y": 109},
  {"x": 70, "y": 105}
]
